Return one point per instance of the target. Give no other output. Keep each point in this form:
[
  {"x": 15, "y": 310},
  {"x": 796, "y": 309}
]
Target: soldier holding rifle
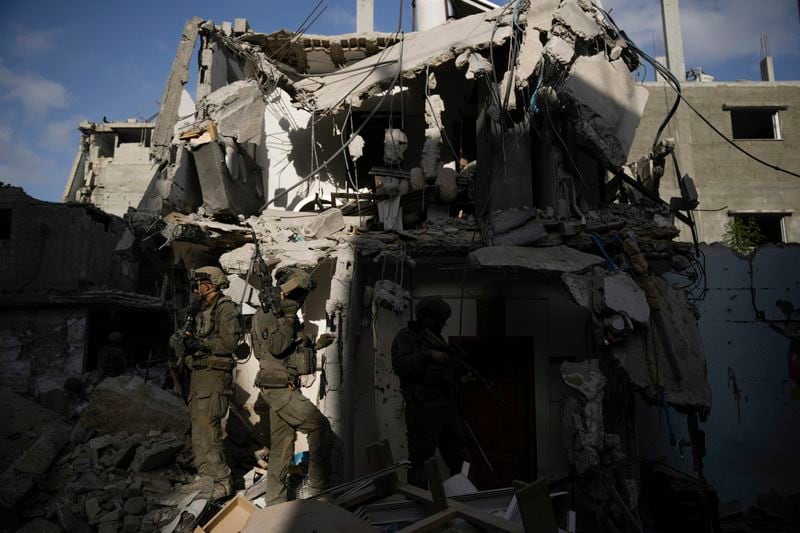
[{"x": 428, "y": 377}]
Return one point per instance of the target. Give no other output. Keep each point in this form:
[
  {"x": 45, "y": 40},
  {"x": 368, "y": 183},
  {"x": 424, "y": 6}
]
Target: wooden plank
[
  {"x": 536, "y": 507},
  {"x": 471, "y": 515},
  {"x": 357, "y": 499},
  {"x": 431, "y": 523},
  {"x": 379, "y": 456}
]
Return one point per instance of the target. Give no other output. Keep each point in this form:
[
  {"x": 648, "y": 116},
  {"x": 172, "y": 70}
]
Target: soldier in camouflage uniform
[
  {"x": 428, "y": 379},
  {"x": 283, "y": 353},
  {"x": 210, "y": 359}
]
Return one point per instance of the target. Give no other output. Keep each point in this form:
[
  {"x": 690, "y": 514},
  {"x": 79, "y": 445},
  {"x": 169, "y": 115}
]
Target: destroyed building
[{"x": 484, "y": 161}]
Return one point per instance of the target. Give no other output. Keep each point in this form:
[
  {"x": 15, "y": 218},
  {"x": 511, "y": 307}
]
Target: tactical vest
[
  {"x": 295, "y": 360},
  {"x": 205, "y": 326}
]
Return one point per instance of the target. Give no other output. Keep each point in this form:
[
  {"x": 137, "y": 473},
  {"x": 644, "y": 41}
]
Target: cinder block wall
[
  {"x": 725, "y": 178},
  {"x": 55, "y": 247}
]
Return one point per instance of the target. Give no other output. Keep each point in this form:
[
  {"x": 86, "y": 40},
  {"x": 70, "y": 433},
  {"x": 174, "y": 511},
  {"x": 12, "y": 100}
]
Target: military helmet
[
  {"x": 292, "y": 279},
  {"x": 215, "y": 275},
  {"x": 115, "y": 336},
  {"x": 433, "y": 306}
]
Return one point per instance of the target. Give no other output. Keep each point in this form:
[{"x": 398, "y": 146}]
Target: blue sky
[{"x": 63, "y": 62}]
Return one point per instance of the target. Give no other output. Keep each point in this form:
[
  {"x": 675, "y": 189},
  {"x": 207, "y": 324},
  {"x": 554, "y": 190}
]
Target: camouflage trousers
[
  {"x": 430, "y": 427},
  {"x": 290, "y": 411},
  {"x": 208, "y": 405}
]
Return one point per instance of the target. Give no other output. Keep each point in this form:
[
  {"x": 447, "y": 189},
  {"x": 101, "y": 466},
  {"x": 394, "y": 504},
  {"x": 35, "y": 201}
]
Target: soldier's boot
[{"x": 223, "y": 488}]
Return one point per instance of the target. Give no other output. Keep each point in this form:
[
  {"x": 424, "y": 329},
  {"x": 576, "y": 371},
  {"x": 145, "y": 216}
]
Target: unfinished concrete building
[
  {"x": 483, "y": 161},
  {"x": 760, "y": 117}
]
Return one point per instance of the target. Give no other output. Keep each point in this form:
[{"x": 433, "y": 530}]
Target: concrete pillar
[
  {"x": 365, "y": 16},
  {"x": 767, "y": 69},
  {"x": 657, "y": 74},
  {"x": 671, "y": 17},
  {"x": 430, "y": 13}
]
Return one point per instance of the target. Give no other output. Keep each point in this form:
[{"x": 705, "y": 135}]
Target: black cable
[
  {"x": 336, "y": 154},
  {"x": 675, "y": 84}
]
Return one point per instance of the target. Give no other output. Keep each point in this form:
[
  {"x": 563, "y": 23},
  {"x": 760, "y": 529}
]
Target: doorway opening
[{"x": 501, "y": 435}]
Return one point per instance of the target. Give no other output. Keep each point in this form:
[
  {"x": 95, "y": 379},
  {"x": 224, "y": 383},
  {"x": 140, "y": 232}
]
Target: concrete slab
[
  {"x": 623, "y": 295},
  {"x": 325, "y": 224},
  {"x": 559, "y": 50},
  {"x": 431, "y": 47},
  {"x": 237, "y": 110},
  {"x": 609, "y": 105},
  {"x": 571, "y": 15},
  {"x": 580, "y": 288},
  {"x": 555, "y": 259}
]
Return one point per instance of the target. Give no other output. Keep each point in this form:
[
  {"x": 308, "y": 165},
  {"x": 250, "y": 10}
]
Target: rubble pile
[
  {"x": 111, "y": 481},
  {"x": 96, "y": 477}
]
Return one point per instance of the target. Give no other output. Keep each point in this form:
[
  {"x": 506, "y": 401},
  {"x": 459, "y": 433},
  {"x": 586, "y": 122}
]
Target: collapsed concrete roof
[{"x": 410, "y": 56}]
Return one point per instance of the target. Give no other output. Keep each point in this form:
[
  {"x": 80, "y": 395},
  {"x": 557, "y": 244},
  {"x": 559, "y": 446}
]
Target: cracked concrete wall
[{"x": 752, "y": 437}]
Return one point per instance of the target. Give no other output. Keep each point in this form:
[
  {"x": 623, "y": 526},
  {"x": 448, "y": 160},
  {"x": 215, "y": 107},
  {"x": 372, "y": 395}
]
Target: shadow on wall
[{"x": 750, "y": 343}]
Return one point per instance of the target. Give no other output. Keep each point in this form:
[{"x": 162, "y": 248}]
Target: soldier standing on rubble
[
  {"x": 284, "y": 355},
  {"x": 427, "y": 379},
  {"x": 210, "y": 349}
]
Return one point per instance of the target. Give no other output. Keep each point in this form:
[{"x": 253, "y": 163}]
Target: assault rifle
[
  {"x": 459, "y": 356},
  {"x": 177, "y": 343},
  {"x": 269, "y": 296}
]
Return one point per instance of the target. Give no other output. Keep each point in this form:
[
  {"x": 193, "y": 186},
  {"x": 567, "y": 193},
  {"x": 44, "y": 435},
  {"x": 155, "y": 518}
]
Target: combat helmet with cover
[{"x": 215, "y": 275}]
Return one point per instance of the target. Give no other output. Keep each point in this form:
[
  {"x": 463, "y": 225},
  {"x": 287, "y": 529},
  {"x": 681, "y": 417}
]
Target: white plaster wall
[{"x": 283, "y": 126}]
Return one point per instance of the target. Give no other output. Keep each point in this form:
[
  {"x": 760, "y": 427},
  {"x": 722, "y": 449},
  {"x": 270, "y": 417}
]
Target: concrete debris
[
  {"x": 420, "y": 49},
  {"x": 608, "y": 103},
  {"x": 571, "y": 15},
  {"x": 390, "y": 295},
  {"x": 238, "y": 261},
  {"x": 584, "y": 377},
  {"x": 477, "y": 65},
  {"x": 559, "y": 50},
  {"x": 23, "y": 473},
  {"x": 584, "y": 434},
  {"x": 237, "y": 110},
  {"x": 524, "y": 235},
  {"x": 128, "y": 403},
  {"x": 540, "y": 15},
  {"x": 645, "y": 359},
  {"x": 395, "y": 143},
  {"x": 224, "y": 193},
  {"x": 623, "y": 295},
  {"x": 553, "y": 260},
  {"x": 156, "y": 454},
  {"x": 580, "y": 288},
  {"x": 448, "y": 185},
  {"x": 325, "y": 224},
  {"x": 356, "y": 147}
]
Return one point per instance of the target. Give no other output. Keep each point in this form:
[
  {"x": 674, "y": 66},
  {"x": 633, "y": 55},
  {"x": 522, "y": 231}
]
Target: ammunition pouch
[
  {"x": 212, "y": 362},
  {"x": 267, "y": 379},
  {"x": 302, "y": 361}
]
